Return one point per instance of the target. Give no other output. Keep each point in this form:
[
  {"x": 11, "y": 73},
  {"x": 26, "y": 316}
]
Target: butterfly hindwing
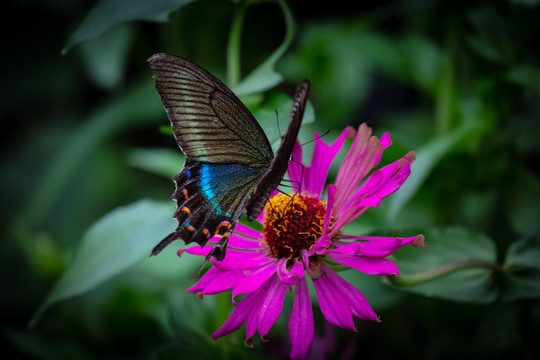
[{"x": 210, "y": 198}]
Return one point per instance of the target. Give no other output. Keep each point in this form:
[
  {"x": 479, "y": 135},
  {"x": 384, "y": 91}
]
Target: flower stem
[
  {"x": 234, "y": 44},
  {"x": 445, "y": 94},
  {"x": 416, "y": 279}
]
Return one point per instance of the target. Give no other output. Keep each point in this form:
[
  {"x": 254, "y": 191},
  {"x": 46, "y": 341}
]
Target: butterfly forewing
[{"x": 209, "y": 123}]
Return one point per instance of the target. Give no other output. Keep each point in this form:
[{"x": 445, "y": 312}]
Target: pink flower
[{"x": 301, "y": 231}]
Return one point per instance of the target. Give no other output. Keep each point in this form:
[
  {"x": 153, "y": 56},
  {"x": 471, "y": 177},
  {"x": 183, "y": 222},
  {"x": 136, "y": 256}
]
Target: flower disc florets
[{"x": 292, "y": 223}]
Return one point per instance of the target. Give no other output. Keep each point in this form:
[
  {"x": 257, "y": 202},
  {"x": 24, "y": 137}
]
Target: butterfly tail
[{"x": 163, "y": 243}]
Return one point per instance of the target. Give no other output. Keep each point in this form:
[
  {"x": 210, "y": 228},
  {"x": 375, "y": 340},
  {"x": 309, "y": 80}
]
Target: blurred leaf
[
  {"x": 265, "y": 77},
  {"x": 473, "y": 254},
  {"x": 491, "y": 38},
  {"x": 138, "y": 105},
  {"x": 106, "y": 57},
  {"x": 526, "y": 2},
  {"x": 524, "y": 204},
  {"x": 113, "y": 244},
  {"x": 522, "y": 271},
  {"x": 163, "y": 162},
  {"x": 106, "y": 14},
  {"x": 525, "y": 75},
  {"x": 36, "y": 346},
  {"x": 380, "y": 296},
  {"x": 426, "y": 160}
]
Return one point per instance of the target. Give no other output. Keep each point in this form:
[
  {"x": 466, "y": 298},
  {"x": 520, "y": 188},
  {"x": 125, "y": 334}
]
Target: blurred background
[{"x": 84, "y": 133}]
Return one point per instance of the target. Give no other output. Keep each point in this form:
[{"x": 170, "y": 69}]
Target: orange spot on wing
[{"x": 223, "y": 224}]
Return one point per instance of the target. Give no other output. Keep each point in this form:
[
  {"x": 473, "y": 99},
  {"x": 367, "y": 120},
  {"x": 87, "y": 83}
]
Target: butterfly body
[{"x": 230, "y": 166}]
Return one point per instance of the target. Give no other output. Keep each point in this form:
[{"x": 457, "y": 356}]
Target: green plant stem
[
  {"x": 445, "y": 93},
  {"x": 234, "y": 45},
  {"x": 416, "y": 279}
]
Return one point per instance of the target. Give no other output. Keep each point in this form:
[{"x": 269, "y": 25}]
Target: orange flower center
[{"x": 292, "y": 223}]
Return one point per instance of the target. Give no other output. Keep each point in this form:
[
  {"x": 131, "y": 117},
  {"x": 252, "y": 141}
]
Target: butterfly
[{"x": 230, "y": 166}]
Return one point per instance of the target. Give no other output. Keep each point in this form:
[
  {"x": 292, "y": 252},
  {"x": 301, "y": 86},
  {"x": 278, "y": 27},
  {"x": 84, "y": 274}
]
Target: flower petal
[
  {"x": 353, "y": 297},
  {"x": 371, "y": 246},
  {"x": 357, "y": 163},
  {"x": 314, "y": 176},
  {"x": 368, "y": 265},
  {"x": 334, "y": 308},
  {"x": 292, "y": 276},
  {"x": 215, "y": 281},
  {"x": 301, "y": 322},
  {"x": 271, "y": 306},
  {"x": 238, "y": 259},
  {"x": 243, "y": 312},
  {"x": 253, "y": 278}
]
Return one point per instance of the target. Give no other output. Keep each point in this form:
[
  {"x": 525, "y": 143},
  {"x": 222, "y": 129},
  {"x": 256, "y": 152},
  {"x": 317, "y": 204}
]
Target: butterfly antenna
[
  {"x": 315, "y": 139},
  {"x": 277, "y": 123}
]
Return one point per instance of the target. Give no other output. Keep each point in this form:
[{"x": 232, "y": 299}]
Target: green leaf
[
  {"x": 457, "y": 264},
  {"x": 525, "y": 75},
  {"x": 522, "y": 271},
  {"x": 139, "y": 105},
  {"x": 426, "y": 159},
  {"x": 164, "y": 162},
  {"x": 491, "y": 37},
  {"x": 113, "y": 244},
  {"x": 106, "y": 57},
  {"x": 523, "y": 204},
  {"x": 106, "y": 14},
  {"x": 265, "y": 77}
]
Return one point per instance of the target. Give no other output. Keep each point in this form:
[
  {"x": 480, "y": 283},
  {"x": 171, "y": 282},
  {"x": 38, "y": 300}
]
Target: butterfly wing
[
  {"x": 210, "y": 198},
  {"x": 209, "y": 122},
  {"x": 273, "y": 176},
  {"x": 226, "y": 151}
]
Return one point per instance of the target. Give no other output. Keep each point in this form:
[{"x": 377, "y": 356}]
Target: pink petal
[
  {"x": 270, "y": 307},
  {"x": 292, "y": 276},
  {"x": 301, "y": 322},
  {"x": 243, "y": 312},
  {"x": 215, "y": 281},
  {"x": 245, "y": 237},
  {"x": 373, "y": 246},
  {"x": 358, "y": 162},
  {"x": 355, "y": 299},
  {"x": 313, "y": 177},
  {"x": 254, "y": 278},
  {"x": 296, "y": 167},
  {"x": 238, "y": 259},
  {"x": 368, "y": 265},
  {"x": 386, "y": 142},
  {"x": 416, "y": 241},
  {"x": 331, "y": 192},
  {"x": 334, "y": 308},
  {"x": 389, "y": 178}
]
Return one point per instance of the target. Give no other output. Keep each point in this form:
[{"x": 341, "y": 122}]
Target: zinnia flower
[{"x": 301, "y": 231}]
